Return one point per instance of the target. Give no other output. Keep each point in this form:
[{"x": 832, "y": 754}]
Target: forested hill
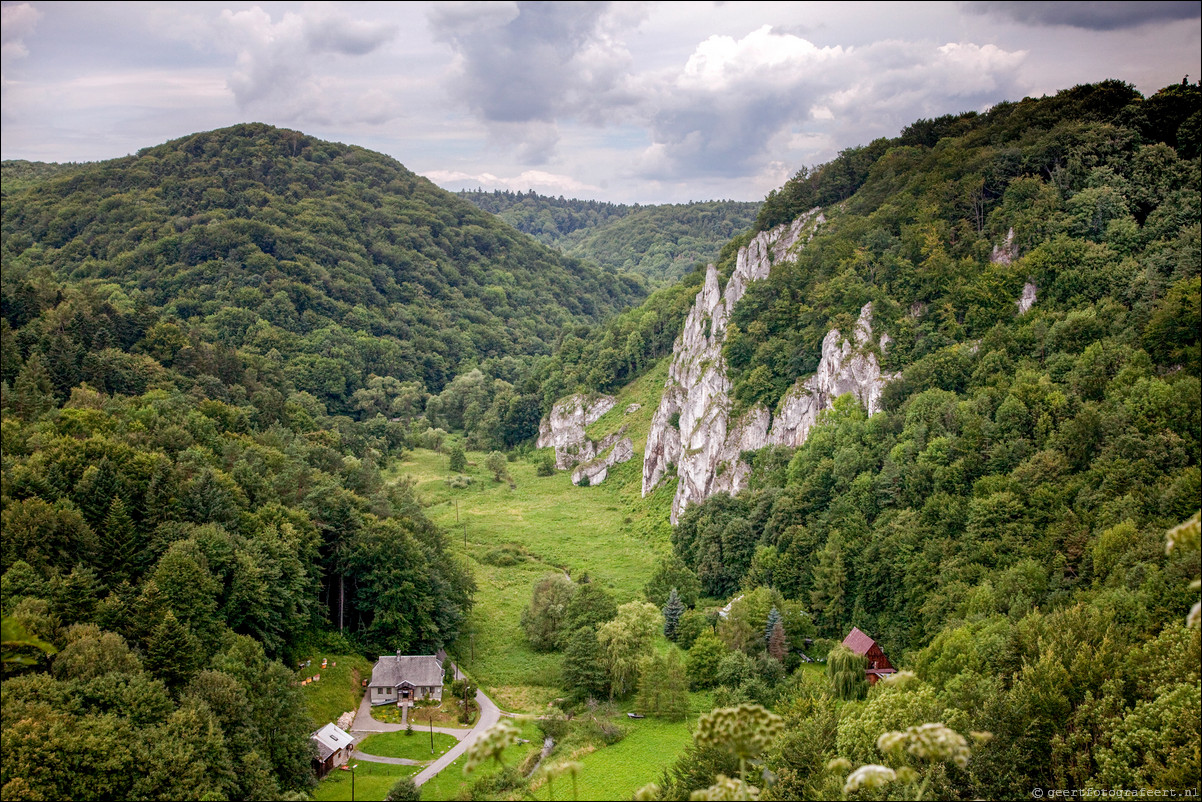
[
  {"x": 659, "y": 242},
  {"x": 999, "y": 524},
  {"x": 214, "y": 251}
]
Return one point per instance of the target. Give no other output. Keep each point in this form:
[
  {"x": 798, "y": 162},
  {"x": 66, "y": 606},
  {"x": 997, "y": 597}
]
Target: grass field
[
  {"x": 414, "y": 746},
  {"x": 372, "y": 782},
  {"x": 451, "y": 781},
  {"x": 338, "y": 690},
  {"x": 617, "y": 771},
  {"x": 608, "y": 531}
]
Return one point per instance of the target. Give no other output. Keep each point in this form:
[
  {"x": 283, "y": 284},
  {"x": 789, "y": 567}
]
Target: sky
[{"x": 629, "y": 102}]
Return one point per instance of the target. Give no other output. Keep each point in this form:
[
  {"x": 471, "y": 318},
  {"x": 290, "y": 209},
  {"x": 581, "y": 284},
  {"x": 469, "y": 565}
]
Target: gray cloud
[
  {"x": 16, "y": 22},
  {"x": 738, "y": 106},
  {"x": 1094, "y": 16},
  {"x": 523, "y": 66},
  {"x": 276, "y": 67}
]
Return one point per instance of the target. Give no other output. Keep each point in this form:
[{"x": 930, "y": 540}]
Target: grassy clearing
[
  {"x": 616, "y": 772},
  {"x": 608, "y": 531},
  {"x": 412, "y": 746},
  {"x": 373, "y": 781},
  {"x": 339, "y": 688},
  {"x": 451, "y": 783}
]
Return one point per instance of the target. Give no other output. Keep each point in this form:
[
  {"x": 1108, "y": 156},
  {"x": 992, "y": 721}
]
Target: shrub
[{"x": 545, "y": 466}]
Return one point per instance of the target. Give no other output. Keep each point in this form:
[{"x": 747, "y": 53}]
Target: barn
[{"x": 878, "y": 664}]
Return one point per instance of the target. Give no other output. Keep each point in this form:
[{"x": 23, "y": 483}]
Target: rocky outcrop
[
  {"x": 564, "y": 428},
  {"x": 845, "y": 368},
  {"x": 1027, "y": 299},
  {"x": 596, "y": 470},
  {"x": 1005, "y": 253},
  {"x": 691, "y": 433}
]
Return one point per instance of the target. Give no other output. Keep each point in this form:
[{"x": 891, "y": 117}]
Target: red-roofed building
[{"x": 878, "y": 664}]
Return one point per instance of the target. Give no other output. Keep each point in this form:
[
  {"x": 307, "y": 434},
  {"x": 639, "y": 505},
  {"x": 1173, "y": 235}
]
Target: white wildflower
[{"x": 870, "y": 776}]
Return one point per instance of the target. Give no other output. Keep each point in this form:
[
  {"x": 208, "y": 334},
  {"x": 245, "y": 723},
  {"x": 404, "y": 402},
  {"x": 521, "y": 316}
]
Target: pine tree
[
  {"x": 673, "y": 610},
  {"x": 584, "y": 673},
  {"x": 119, "y": 546},
  {"x": 169, "y": 652},
  {"x": 33, "y": 392},
  {"x": 830, "y": 579},
  {"x": 458, "y": 460},
  {"x": 773, "y": 619}
]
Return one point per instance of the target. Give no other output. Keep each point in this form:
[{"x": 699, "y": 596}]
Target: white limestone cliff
[
  {"x": 1027, "y": 299},
  {"x": 598, "y": 469},
  {"x": 563, "y": 429},
  {"x": 691, "y": 432},
  {"x": 845, "y": 368}
]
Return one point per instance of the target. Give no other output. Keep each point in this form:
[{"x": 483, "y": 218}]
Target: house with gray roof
[
  {"x": 401, "y": 678},
  {"x": 334, "y": 746}
]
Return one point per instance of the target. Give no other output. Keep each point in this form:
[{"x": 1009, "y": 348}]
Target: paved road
[{"x": 490, "y": 714}]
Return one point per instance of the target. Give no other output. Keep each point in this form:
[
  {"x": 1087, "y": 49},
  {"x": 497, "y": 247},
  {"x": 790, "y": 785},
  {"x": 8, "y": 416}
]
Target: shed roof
[
  {"x": 858, "y": 642},
  {"x": 330, "y": 739},
  {"x": 393, "y": 670}
]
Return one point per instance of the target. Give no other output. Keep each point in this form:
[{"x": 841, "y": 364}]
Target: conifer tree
[
  {"x": 673, "y": 610},
  {"x": 584, "y": 672},
  {"x": 119, "y": 542},
  {"x": 169, "y": 652},
  {"x": 773, "y": 619}
]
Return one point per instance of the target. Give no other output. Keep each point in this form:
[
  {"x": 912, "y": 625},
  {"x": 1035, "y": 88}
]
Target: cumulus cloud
[
  {"x": 1090, "y": 15},
  {"x": 738, "y": 103},
  {"x": 18, "y": 22},
  {"x": 275, "y": 66},
  {"x": 520, "y": 67}
]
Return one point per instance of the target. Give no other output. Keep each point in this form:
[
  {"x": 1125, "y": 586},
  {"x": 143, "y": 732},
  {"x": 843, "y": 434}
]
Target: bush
[
  {"x": 545, "y": 465},
  {"x": 460, "y": 482},
  {"x": 554, "y": 724},
  {"x": 458, "y": 460},
  {"x": 404, "y": 791},
  {"x": 507, "y": 555},
  {"x": 498, "y": 785},
  {"x": 606, "y": 732}
]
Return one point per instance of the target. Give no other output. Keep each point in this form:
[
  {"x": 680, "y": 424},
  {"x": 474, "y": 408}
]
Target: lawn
[
  {"x": 544, "y": 525},
  {"x": 445, "y": 715},
  {"x": 413, "y": 746},
  {"x": 451, "y": 781},
  {"x": 339, "y": 688},
  {"x": 373, "y": 781}
]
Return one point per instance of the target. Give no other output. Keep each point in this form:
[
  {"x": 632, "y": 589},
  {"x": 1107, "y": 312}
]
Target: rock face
[
  {"x": 691, "y": 431},
  {"x": 1027, "y": 299},
  {"x": 598, "y": 469},
  {"x": 563, "y": 429},
  {"x": 843, "y": 369},
  {"x": 1005, "y": 253}
]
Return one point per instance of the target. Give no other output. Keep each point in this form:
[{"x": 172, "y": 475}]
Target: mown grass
[
  {"x": 412, "y": 746},
  {"x": 609, "y": 531},
  {"x": 339, "y": 688},
  {"x": 373, "y": 781},
  {"x": 451, "y": 782}
]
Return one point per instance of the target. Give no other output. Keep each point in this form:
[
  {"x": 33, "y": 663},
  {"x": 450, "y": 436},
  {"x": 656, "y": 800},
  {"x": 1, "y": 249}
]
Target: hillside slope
[
  {"x": 219, "y": 250},
  {"x": 658, "y": 242},
  {"x": 1016, "y": 296}
]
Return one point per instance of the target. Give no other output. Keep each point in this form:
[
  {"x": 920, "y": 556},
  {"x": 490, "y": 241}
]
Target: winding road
[{"x": 365, "y": 725}]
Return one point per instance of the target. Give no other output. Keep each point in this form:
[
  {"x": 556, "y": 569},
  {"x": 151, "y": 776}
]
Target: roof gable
[
  {"x": 858, "y": 642},
  {"x": 330, "y": 739}
]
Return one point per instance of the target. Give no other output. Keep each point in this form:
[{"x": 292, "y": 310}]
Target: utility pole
[{"x": 430, "y": 716}]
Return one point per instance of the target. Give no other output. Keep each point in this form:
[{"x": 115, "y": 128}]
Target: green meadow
[{"x": 515, "y": 536}]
